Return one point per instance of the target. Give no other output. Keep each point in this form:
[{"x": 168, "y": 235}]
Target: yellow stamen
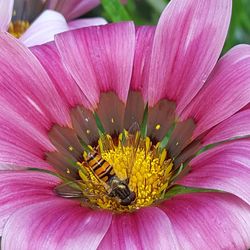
[
  {"x": 158, "y": 126},
  {"x": 146, "y": 168},
  {"x": 17, "y": 28}
]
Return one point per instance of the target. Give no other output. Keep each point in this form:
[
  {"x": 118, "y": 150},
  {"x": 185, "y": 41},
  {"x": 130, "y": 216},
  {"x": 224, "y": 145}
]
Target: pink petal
[
  {"x": 21, "y": 188},
  {"x": 143, "y": 49},
  {"x": 63, "y": 81},
  {"x": 25, "y": 135},
  {"x": 85, "y": 22},
  {"x": 5, "y": 14},
  {"x": 44, "y": 28},
  {"x": 225, "y": 168},
  {"x": 148, "y": 228},
  {"x": 18, "y": 158},
  {"x": 188, "y": 40},
  {"x": 209, "y": 221},
  {"x": 233, "y": 127},
  {"x": 226, "y": 91},
  {"x": 57, "y": 224},
  {"x": 32, "y": 85},
  {"x": 22, "y": 145},
  {"x": 99, "y": 58},
  {"x": 73, "y": 8}
]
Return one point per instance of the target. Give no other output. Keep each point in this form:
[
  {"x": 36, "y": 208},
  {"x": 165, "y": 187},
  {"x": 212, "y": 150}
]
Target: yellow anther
[
  {"x": 158, "y": 126},
  {"x": 68, "y": 171},
  {"x": 17, "y": 28},
  {"x": 83, "y": 175},
  {"x": 163, "y": 156},
  {"x": 147, "y": 169},
  {"x": 148, "y": 144},
  {"x": 88, "y": 131},
  {"x": 112, "y": 120},
  {"x": 70, "y": 148}
]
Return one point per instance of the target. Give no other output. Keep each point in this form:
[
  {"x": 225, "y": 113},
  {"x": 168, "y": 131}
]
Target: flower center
[
  {"x": 116, "y": 161},
  {"x": 121, "y": 174},
  {"x": 18, "y": 27}
]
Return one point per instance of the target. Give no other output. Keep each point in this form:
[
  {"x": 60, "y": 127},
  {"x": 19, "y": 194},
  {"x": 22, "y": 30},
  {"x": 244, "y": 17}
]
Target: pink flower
[
  {"x": 43, "y": 27},
  {"x": 89, "y": 85},
  {"x": 72, "y": 9}
]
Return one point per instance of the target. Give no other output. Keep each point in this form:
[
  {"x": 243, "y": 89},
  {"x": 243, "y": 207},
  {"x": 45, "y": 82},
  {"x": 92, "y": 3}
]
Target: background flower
[
  {"x": 71, "y": 9},
  {"x": 34, "y": 31},
  {"x": 30, "y": 9}
]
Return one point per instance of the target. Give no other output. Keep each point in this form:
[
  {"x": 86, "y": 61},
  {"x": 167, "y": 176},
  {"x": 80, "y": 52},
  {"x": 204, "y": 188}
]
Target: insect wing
[
  {"x": 135, "y": 127},
  {"x": 69, "y": 190}
]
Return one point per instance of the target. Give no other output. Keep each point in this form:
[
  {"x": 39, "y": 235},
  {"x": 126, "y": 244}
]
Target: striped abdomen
[{"x": 100, "y": 167}]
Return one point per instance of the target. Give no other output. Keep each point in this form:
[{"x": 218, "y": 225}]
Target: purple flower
[
  {"x": 35, "y": 26},
  {"x": 71, "y": 9},
  {"x": 99, "y": 133}
]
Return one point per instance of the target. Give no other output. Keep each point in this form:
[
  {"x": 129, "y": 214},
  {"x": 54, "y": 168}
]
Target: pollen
[
  {"x": 158, "y": 126},
  {"x": 137, "y": 162},
  {"x": 17, "y": 28}
]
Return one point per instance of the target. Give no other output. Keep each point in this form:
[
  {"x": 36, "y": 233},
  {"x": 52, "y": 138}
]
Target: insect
[{"x": 105, "y": 172}]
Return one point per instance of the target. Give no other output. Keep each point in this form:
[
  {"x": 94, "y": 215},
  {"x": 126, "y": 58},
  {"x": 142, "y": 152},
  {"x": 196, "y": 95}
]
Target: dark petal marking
[
  {"x": 111, "y": 112},
  {"x": 163, "y": 113},
  {"x": 134, "y": 109},
  {"x": 181, "y": 137}
]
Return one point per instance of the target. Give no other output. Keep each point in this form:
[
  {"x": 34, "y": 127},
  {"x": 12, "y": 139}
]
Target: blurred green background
[{"x": 148, "y": 12}]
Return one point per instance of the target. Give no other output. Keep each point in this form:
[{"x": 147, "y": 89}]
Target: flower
[
  {"x": 100, "y": 131},
  {"x": 23, "y": 20},
  {"x": 71, "y": 9}
]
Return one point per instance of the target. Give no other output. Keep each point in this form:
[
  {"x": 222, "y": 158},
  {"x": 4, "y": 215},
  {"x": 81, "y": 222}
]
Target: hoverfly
[{"x": 104, "y": 172}]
